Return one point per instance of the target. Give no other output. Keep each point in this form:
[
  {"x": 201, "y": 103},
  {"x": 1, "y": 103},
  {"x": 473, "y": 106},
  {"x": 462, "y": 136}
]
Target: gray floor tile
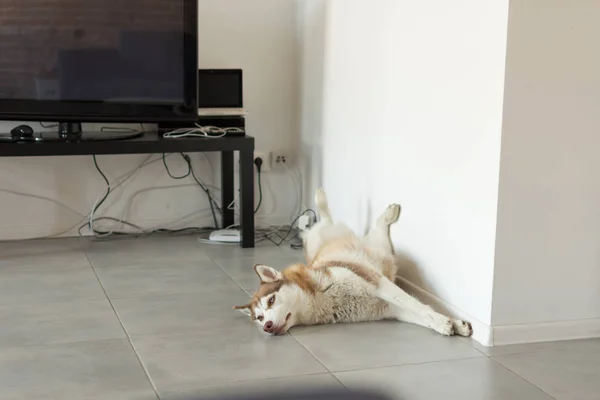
[
  {"x": 49, "y": 323},
  {"x": 24, "y": 287},
  {"x": 262, "y": 251},
  {"x": 42, "y": 255},
  {"x": 255, "y": 388},
  {"x": 569, "y": 345},
  {"x": 241, "y": 269},
  {"x": 156, "y": 279},
  {"x": 343, "y": 347},
  {"x": 472, "y": 379},
  {"x": 219, "y": 357},
  {"x": 106, "y": 369},
  {"x": 186, "y": 313},
  {"x": 564, "y": 374},
  {"x": 244, "y": 266},
  {"x": 143, "y": 251}
]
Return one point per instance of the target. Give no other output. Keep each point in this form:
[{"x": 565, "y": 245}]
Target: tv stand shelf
[{"x": 153, "y": 143}]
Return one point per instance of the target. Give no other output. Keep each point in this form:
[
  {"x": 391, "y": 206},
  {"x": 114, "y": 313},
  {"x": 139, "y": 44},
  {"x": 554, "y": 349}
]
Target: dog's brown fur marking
[
  {"x": 266, "y": 289},
  {"x": 300, "y": 275}
]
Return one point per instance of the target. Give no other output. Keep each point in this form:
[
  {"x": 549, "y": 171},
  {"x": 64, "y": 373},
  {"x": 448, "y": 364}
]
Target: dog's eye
[
  {"x": 260, "y": 318},
  {"x": 272, "y": 300}
]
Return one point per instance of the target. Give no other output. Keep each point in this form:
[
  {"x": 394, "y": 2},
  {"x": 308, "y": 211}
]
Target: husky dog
[{"x": 346, "y": 279}]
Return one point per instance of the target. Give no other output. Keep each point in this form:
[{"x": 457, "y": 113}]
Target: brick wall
[{"x": 33, "y": 31}]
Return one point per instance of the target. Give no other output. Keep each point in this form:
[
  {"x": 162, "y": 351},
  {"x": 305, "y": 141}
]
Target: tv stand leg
[
  {"x": 227, "y": 188},
  {"x": 247, "y": 195}
]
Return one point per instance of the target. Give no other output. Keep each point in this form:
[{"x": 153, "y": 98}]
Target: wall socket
[
  {"x": 274, "y": 159},
  {"x": 281, "y": 158},
  {"x": 266, "y": 157}
]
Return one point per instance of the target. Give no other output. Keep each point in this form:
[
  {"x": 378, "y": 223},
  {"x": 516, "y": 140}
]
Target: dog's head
[{"x": 275, "y": 303}]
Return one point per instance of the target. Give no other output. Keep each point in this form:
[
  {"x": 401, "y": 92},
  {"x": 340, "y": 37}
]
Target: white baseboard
[
  {"x": 482, "y": 332},
  {"x": 546, "y": 332}
]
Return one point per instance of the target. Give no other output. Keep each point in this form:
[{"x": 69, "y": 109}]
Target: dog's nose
[{"x": 268, "y": 326}]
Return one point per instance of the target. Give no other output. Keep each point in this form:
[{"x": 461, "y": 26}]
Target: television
[{"x": 74, "y": 61}]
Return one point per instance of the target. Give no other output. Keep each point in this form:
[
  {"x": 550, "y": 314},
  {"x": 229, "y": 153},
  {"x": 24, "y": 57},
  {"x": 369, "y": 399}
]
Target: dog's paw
[
  {"x": 321, "y": 198},
  {"x": 462, "y": 328},
  {"x": 443, "y": 326},
  {"x": 391, "y": 214}
]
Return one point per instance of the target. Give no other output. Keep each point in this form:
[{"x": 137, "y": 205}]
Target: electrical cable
[
  {"x": 35, "y": 196},
  {"x": 289, "y": 231},
  {"x": 202, "y": 131},
  {"x": 211, "y": 201},
  {"x": 142, "y": 231},
  {"x": 121, "y": 180},
  {"x": 258, "y": 162},
  {"x": 260, "y": 192},
  {"x": 283, "y": 233},
  {"x": 99, "y": 203},
  {"x": 188, "y": 173}
]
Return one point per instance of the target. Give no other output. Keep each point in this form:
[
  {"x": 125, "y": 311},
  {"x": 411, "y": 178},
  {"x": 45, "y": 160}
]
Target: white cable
[
  {"x": 202, "y": 131},
  {"x": 171, "y": 223},
  {"x": 137, "y": 193},
  {"x": 297, "y": 204},
  {"x": 110, "y": 187},
  {"x": 36, "y": 196},
  {"x": 163, "y": 226}
]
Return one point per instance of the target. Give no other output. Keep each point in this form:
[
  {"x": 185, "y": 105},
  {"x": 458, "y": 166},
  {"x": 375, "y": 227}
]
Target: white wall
[
  {"x": 412, "y": 114},
  {"x": 547, "y": 255},
  {"x": 258, "y": 36},
  {"x": 312, "y": 18}
]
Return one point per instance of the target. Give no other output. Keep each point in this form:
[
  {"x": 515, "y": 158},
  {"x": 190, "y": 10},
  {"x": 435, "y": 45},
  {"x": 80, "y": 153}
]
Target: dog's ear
[
  {"x": 245, "y": 309},
  {"x": 267, "y": 274}
]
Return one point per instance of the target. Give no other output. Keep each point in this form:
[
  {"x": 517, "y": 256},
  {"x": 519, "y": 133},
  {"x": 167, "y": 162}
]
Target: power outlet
[
  {"x": 266, "y": 165},
  {"x": 282, "y": 158},
  {"x": 266, "y": 157}
]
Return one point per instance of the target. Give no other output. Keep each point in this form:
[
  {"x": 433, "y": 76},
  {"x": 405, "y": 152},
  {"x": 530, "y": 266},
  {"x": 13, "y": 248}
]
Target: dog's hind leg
[
  {"x": 323, "y": 206},
  {"x": 314, "y": 238},
  {"x": 379, "y": 235}
]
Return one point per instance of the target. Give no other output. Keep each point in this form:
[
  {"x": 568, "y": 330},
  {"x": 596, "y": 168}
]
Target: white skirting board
[
  {"x": 546, "y": 332},
  {"x": 500, "y": 335},
  {"x": 482, "y": 332}
]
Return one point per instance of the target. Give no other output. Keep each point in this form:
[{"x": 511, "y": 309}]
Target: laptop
[{"x": 220, "y": 93}]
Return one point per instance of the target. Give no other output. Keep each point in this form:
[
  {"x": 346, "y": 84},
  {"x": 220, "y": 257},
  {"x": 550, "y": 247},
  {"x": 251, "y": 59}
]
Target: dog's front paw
[
  {"x": 442, "y": 325},
  {"x": 462, "y": 328}
]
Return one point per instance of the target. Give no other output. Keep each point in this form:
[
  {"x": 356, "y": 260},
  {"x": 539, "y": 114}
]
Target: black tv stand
[{"x": 153, "y": 142}]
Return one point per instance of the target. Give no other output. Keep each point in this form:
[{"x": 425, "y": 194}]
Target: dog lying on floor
[{"x": 346, "y": 279}]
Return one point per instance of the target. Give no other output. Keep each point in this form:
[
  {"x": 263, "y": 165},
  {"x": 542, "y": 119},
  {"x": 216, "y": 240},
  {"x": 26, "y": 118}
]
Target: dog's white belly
[{"x": 349, "y": 299}]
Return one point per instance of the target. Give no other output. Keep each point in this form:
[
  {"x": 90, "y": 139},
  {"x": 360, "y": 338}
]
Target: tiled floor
[{"x": 151, "y": 318}]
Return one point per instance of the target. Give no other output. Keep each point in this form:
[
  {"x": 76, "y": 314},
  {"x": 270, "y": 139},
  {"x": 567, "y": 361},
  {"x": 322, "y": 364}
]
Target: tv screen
[{"x": 103, "y": 59}]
